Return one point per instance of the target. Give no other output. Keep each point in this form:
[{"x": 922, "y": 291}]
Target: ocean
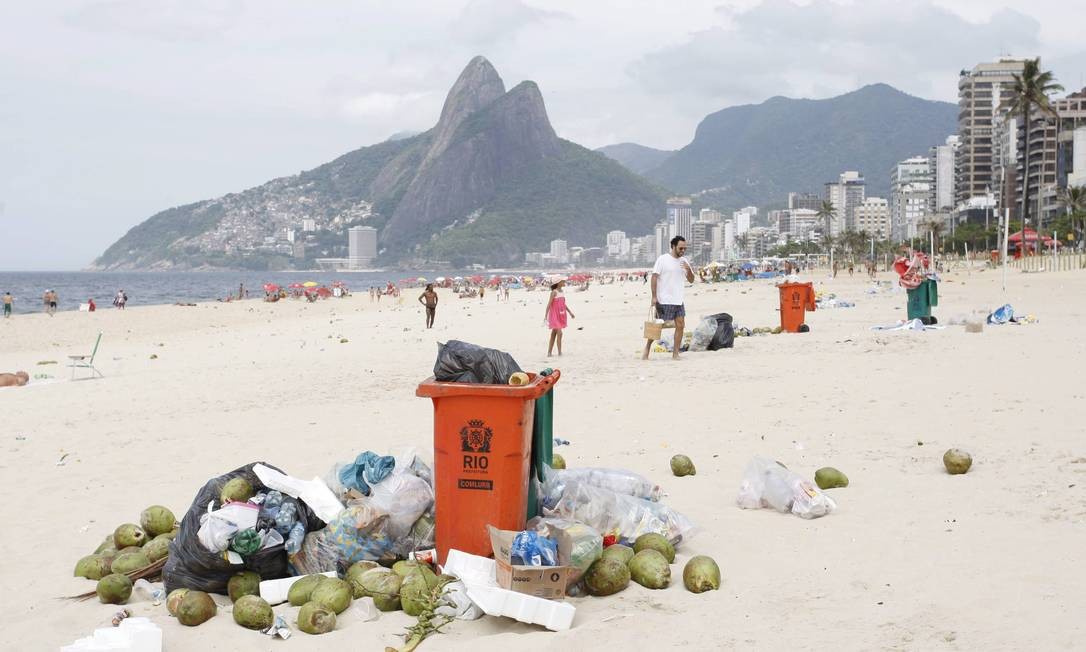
[{"x": 151, "y": 288}]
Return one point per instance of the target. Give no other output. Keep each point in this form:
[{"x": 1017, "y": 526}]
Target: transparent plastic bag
[
  {"x": 617, "y": 480},
  {"x": 625, "y": 517},
  {"x": 360, "y": 532},
  {"x": 404, "y": 497},
  {"x": 703, "y": 335},
  {"x": 769, "y": 484}
]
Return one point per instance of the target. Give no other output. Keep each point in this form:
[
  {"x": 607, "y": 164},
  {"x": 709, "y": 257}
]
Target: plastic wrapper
[
  {"x": 460, "y": 362},
  {"x": 359, "y": 533},
  {"x": 768, "y": 484},
  {"x": 533, "y": 549},
  {"x": 617, "y": 480},
  {"x": 578, "y": 545},
  {"x": 614, "y": 514},
  {"x": 192, "y": 566}
]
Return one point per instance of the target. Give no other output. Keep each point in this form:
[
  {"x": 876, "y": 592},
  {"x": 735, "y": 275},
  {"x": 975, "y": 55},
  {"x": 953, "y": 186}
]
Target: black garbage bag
[
  {"x": 724, "y": 338},
  {"x": 192, "y": 566},
  {"x": 460, "y": 362}
]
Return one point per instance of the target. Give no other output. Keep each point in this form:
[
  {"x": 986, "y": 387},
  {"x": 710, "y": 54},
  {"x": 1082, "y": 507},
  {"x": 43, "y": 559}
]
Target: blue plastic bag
[
  {"x": 368, "y": 468},
  {"x": 530, "y": 549},
  {"x": 1002, "y": 315}
]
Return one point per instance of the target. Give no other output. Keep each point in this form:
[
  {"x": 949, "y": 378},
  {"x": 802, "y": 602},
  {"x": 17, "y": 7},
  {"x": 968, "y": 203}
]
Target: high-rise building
[
  {"x": 1072, "y": 139},
  {"x": 808, "y": 200},
  {"x": 911, "y": 187},
  {"x": 618, "y": 245},
  {"x": 941, "y": 163},
  {"x": 680, "y": 216},
  {"x": 710, "y": 215},
  {"x": 845, "y": 194},
  {"x": 742, "y": 218},
  {"x": 729, "y": 240},
  {"x": 981, "y": 91},
  {"x": 797, "y": 224},
  {"x": 662, "y": 233},
  {"x": 873, "y": 217},
  {"x": 560, "y": 252},
  {"x": 309, "y": 225},
  {"x": 361, "y": 247}
]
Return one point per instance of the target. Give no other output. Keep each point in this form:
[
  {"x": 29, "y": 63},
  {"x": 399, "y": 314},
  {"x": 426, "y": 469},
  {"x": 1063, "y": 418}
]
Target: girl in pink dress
[{"x": 556, "y": 316}]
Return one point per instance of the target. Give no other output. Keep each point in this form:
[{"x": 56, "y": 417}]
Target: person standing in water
[
  {"x": 9, "y": 301},
  {"x": 428, "y": 298},
  {"x": 556, "y": 316}
]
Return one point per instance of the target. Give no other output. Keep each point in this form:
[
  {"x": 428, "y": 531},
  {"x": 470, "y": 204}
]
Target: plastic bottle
[
  {"x": 294, "y": 541},
  {"x": 272, "y": 502},
  {"x": 286, "y": 518},
  {"x": 157, "y": 595}
]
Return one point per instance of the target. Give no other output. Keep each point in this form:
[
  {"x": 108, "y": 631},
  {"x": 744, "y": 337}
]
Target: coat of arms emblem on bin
[{"x": 475, "y": 437}]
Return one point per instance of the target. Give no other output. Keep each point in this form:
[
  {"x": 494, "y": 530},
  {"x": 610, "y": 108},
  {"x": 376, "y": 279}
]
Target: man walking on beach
[
  {"x": 668, "y": 275},
  {"x": 428, "y": 298},
  {"x": 8, "y": 301}
]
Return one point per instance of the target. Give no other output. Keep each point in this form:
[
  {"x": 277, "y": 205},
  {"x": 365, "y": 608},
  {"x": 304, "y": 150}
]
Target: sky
[{"x": 112, "y": 110}]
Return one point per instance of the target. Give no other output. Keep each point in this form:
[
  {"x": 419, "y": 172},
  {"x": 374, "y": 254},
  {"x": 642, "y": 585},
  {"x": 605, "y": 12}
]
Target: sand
[{"x": 912, "y": 559}]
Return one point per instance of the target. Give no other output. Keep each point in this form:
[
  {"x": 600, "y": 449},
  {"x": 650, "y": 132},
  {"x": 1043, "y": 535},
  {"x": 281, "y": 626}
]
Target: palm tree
[
  {"x": 936, "y": 228},
  {"x": 1073, "y": 199},
  {"x": 827, "y": 212},
  {"x": 1029, "y": 95}
]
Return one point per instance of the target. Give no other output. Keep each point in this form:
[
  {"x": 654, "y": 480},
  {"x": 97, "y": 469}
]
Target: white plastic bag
[
  {"x": 459, "y": 605},
  {"x": 768, "y": 484},
  {"x": 625, "y": 517},
  {"x": 404, "y": 497},
  {"x": 703, "y": 335},
  {"x": 617, "y": 480},
  {"x": 218, "y": 526}
]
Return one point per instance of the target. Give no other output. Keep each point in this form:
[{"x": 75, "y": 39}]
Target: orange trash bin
[
  {"x": 482, "y": 448},
  {"x": 796, "y": 299}
]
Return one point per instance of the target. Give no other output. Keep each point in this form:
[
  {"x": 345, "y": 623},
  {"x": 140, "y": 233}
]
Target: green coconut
[
  {"x": 114, "y": 589},
  {"x": 414, "y": 593},
  {"x": 681, "y": 465},
  {"x": 157, "y": 549},
  {"x": 196, "y": 608},
  {"x": 130, "y": 561},
  {"x": 156, "y": 520},
  {"x": 300, "y": 592},
  {"x": 316, "y": 619},
  {"x": 92, "y": 567},
  {"x": 384, "y": 587},
  {"x": 354, "y": 576},
  {"x": 558, "y": 462},
  {"x": 618, "y": 551},
  {"x": 830, "y": 478},
  {"x": 403, "y": 568},
  {"x": 656, "y": 542},
  {"x": 125, "y": 551},
  {"x": 107, "y": 544},
  {"x": 127, "y": 535},
  {"x": 701, "y": 574},
  {"x": 606, "y": 576},
  {"x": 242, "y": 584},
  {"x": 253, "y": 612},
  {"x": 410, "y": 567},
  {"x": 333, "y": 593},
  {"x": 957, "y": 461},
  {"x": 236, "y": 490},
  {"x": 173, "y": 600},
  {"x": 649, "y": 568}
]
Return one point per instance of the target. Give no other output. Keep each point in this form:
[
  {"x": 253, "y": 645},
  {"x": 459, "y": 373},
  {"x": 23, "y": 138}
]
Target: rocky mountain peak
[{"x": 477, "y": 86}]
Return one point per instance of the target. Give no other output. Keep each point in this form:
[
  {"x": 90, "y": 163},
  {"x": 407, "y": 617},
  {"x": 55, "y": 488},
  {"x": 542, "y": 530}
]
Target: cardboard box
[{"x": 540, "y": 581}]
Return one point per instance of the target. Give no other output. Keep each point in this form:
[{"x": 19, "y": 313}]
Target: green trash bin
[
  {"x": 542, "y": 446},
  {"x": 921, "y": 300}
]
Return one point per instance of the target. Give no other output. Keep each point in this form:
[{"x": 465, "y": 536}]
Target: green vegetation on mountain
[{"x": 634, "y": 157}]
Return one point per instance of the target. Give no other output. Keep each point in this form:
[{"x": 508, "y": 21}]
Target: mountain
[
  {"x": 488, "y": 182},
  {"x": 636, "y": 158},
  {"x": 757, "y": 154}
]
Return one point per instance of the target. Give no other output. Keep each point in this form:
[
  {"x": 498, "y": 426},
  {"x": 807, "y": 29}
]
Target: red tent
[{"x": 1031, "y": 236}]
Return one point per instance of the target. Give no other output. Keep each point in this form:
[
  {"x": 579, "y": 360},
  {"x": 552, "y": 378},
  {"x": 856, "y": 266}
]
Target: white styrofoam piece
[
  {"x": 275, "y": 591},
  {"x": 133, "y": 635},
  {"x": 478, "y": 574}
]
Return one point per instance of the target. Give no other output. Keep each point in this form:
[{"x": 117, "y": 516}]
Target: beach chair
[{"x": 86, "y": 361}]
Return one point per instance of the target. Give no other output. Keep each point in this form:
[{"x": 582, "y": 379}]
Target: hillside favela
[{"x": 286, "y": 291}]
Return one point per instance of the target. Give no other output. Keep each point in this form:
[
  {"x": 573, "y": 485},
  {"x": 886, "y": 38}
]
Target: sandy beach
[{"x": 913, "y": 559}]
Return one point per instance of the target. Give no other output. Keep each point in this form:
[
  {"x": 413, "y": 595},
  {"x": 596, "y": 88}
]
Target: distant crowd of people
[{"x": 51, "y": 299}]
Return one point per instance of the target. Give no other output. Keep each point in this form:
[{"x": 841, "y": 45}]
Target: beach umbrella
[
  {"x": 295, "y": 286},
  {"x": 310, "y": 284},
  {"x": 439, "y": 279},
  {"x": 271, "y": 287},
  {"x": 476, "y": 279},
  {"x": 324, "y": 292}
]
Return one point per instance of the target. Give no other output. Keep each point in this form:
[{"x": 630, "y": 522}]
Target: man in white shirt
[{"x": 668, "y": 276}]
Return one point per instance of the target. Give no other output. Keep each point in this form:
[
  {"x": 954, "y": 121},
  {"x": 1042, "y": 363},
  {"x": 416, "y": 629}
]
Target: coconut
[
  {"x": 384, "y": 587},
  {"x": 681, "y": 465},
  {"x": 300, "y": 592},
  {"x": 618, "y": 551},
  {"x": 701, "y": 574},
  {"x": 253, "y": 612},
  {"x": 196, "y": 608},
  {"x": 92, "y": 567},
  {"x": 403, "y": 568},
  {"x": 656, "y": 542},
  {"x": 114, "y": 589},
  {"x": 237, "y": 490},
  {"x": 650, "y": 569},
  {"x": 558, "y": 462},
  {"x": 414, "y": 594},
  {"x": 354, "y": 576},
  {"x": 316, "y": 619},
  {"x": 124, "y": 551},
  {"x": 173, "y": 600},
  {"x": 830, "y": 478},
  {"x": 157, "y": 548},
  {"x": 957, "y": 461},
  {"x": 129, "y": 534},
  {"x": 777, "y": 331},
  {"x": 606, "y": 576},
  {"x": 242, "y": 584},
  {"x": 107, "y": 544},
  {"x": 130, "y": 561},
  {"x": 157, "y": 520},
  {"x": 109, "y": 554},
  {"x": 333, "y": 593}
]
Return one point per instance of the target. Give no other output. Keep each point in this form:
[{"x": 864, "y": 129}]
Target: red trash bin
[
  {"x": 482, "y": 448},
  {"x": 796, "y": 299}
]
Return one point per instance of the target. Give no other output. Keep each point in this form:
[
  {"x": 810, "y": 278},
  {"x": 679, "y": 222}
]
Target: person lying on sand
[{"x": 17, "y": 379}]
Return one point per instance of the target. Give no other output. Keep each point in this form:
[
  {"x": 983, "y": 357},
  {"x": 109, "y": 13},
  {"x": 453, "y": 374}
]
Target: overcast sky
[{"x": 113, "y": 110}]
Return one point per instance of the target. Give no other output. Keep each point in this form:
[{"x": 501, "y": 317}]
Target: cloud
[
  {"x": 380, "y": 104},
  {"x": 823, "y": 48},
  {"x": 487, "y": 23},
  {"x": 166, "y": 20}
]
